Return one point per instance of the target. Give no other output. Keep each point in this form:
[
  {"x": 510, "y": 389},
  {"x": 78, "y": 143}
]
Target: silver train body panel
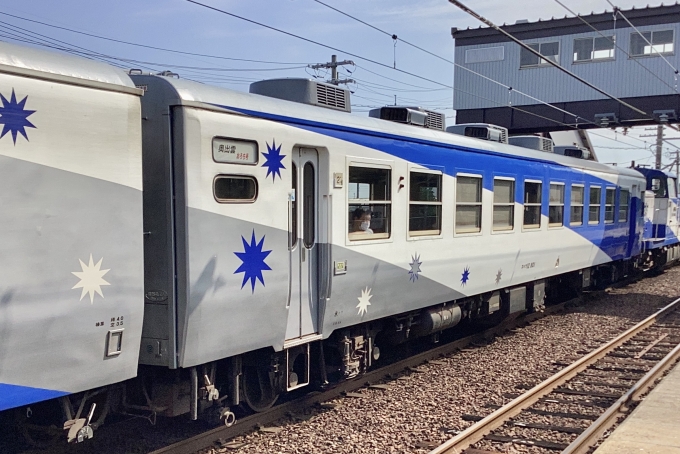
[
  {"x": 241, "y": 285},
  {"x": 70, "y": 225}
]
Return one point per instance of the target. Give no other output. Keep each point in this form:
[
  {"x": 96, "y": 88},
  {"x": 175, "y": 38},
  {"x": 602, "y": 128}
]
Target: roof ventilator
[
  {"x": 416, "y": 116},
  {"x": 304, "y": 91},
  {"x": 533, "y": 142},
  {"x": 482, "y": 131}
]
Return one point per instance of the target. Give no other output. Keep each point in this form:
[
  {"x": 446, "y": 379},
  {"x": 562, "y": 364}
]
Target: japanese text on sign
[{"x": 234, "y": 151}]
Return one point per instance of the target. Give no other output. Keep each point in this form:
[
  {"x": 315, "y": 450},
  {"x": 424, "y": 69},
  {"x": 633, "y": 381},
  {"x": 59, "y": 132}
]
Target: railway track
[
  {"x": 570, "y": 411},
  {"x": 219, "y": 437}
]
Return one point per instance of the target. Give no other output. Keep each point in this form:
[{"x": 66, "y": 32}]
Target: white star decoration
[
  {"x": 90, "y": 279},
  {"x": 364, "y": 301}
]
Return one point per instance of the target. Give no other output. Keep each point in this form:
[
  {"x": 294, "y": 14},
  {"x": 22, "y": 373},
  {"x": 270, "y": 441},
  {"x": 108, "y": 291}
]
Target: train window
[
  {"x": 624, "y": 202},
  {"x": 293, "y": 208},
  {"x": 659, "y": 187},
  {"x": 369, "y": 203},
  {"x": 503, "y": 204},
  {"x": 609, "y": 200},
  {"x": 556, "y": 205},
  {"x": 425, "y": 204},
  {"x": 576, "y": 215},
  {"x": 672, "y": 186},
  {"x": 468, "y": 204},
  {"x": 532, "y": 204},
  {"x": 308, "y": 205},
  {"x": 235, "y": 188},
  {"x": 594, "y": 205}
]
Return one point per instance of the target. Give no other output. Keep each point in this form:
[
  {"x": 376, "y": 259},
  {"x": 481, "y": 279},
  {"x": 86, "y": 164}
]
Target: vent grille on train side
[{"x": 304, "y": 91}]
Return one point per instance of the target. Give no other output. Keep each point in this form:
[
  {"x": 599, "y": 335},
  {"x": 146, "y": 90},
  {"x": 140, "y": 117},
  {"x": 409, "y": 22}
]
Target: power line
[
  {"x": 615, "y": 44},
  {"x": 618, "y": 10},
  {"x": 148, "y": 46},
  {"x": 316, "y": 42},
  {"x": 538, "y": 54}
]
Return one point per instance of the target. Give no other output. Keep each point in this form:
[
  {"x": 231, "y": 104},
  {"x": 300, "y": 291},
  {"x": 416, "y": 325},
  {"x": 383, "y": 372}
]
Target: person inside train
[{"x": 361, "y": 221}]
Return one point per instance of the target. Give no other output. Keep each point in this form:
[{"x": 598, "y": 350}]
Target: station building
[{"x": 637, "y": 64}]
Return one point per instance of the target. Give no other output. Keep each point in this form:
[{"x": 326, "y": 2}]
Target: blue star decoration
[
  {"x": 415, "y": 268},
  {"x": 466, "y": 276},
  {"x": 253, "y": 261},
  {"x": 273, "y": 160},
  {"x": 13, "y": 117}
]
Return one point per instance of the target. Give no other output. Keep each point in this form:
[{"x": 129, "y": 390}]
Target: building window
[
  {"x": 593, "y": 49},
  {"x": 235, "y": 188},
  {"x": 594, "y": 205},
  {"x": 468, "y": 204},
  {"x": 532, "y": 204},
  {"x": 369, "y": 203},
  {"x": 609, "y": 200},
  {"x": 624, "y": 203},
  {"x": 425, "y": 204},
  {"x": 503, "y": 204},
  {"x": 549, "y": 52},
  {"x": 556, "y": 207},
  {"x": 661, "y": 40},
  {"x": 576, "y": 216},
  {"x": 485, "y": 54}
]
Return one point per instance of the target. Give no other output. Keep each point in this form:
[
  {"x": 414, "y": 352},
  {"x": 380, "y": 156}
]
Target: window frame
[
  {"x": 374, "y": 238},
  {"x": 470, "y": 232},
  {"x": 237, "y": 176},
  {"x": 573, "y": 205},
  {"x": 599, "y": 204},
  {"x": 555, "y": 225},
  {"x": 415, "y": 234},
  {"x": 511, "y": 204},
  {"x": 542, "y": 62},
  {"x": 651, "y": 40},
  {"x": 532, "y": 227},
  {"x": 592, "y": 39},
  {"x": 624, "y": 218},
  {"x": 609, "y": 190}
]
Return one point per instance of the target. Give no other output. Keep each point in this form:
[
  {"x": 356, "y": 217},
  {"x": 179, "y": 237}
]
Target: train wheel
[{"x": 258, "y": 390}]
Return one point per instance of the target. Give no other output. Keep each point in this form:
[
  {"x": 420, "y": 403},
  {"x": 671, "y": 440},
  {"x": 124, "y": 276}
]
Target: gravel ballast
[{"x": 423, "y": 409}]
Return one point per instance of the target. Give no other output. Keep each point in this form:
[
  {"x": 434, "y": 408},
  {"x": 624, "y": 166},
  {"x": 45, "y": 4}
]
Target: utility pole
[
  {"x": 333, "y": 65},
  {"x": 659, "y": 143}
]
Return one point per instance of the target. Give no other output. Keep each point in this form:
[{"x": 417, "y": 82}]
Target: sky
[{"x": 186, "y": 29}]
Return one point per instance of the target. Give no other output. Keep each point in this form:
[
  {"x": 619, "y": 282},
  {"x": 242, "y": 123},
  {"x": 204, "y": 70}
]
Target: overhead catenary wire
[
  {"x": 617, "y": 10},
  {"x": 538, "y": 54},
  {"x": 578, "y": 16},
  {"x": 375, "y": 62},
  {"x": 163, "y": 49}
]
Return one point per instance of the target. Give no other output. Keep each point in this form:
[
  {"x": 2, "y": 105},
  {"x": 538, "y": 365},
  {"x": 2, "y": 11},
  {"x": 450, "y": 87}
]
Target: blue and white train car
[
  {"x": 71, "y": 273},
  {"x": 661, "y": 217},
  {"x": 293, "y": 239}
]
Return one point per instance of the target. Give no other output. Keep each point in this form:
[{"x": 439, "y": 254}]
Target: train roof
[
  {"x": 201, "y": 95},
  {"x": 49, "y": 65},
  {"x": 649, "y": 172}
]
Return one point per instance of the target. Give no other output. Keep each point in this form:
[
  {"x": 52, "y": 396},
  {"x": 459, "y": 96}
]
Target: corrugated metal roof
[{"x": 648, "y": 15}]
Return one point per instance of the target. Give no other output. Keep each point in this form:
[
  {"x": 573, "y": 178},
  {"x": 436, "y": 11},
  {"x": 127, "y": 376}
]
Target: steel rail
[
  {"x": 220, "y": 435},
  {"x": 496, "y": 419},
  {"x": 589, "y": 437}
]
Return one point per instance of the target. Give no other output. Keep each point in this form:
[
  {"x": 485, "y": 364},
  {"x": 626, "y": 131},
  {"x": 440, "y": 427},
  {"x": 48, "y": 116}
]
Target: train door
[
  {"x": 672, "y": 207},
  {"x": 660, "y": 206},
  {"x": 304, "y": 249}
]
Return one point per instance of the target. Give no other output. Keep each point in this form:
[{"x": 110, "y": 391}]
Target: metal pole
[{"x": 659, "y": 143}]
